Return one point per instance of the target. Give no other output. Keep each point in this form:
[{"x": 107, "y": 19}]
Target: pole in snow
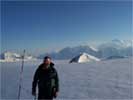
[{"x": 21, "y": 73}]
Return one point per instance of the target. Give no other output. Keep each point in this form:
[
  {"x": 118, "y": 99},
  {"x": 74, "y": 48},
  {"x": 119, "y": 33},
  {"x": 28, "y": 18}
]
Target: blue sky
[{"x": 43, "y": 26}]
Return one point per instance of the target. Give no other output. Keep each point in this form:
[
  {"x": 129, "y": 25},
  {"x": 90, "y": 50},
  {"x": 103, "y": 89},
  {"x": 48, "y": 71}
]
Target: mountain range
[
  {"x": 122, "y": 48},
  {"x": 110, "y": 50}
]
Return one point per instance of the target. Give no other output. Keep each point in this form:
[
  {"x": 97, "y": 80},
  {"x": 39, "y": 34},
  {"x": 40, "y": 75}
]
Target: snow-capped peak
[
  {"x": 118, "y": 44},
  {"x": 90, "y": 56},
  {"x": 123, "y": 43},
  {"x": 84, "y": 57}
]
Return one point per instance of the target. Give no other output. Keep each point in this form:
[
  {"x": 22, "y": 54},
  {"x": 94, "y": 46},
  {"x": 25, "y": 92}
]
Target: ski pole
[{"x": 21, "y": 72}]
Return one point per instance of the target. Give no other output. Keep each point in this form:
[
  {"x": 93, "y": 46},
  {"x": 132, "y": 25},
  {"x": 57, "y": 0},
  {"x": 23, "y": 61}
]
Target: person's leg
[
  {"x": 48, "y": 96},
  {"x": 44, "y": 95},
  {"x": 41, "y": 94},
  {"x": 44, "y": 98}
]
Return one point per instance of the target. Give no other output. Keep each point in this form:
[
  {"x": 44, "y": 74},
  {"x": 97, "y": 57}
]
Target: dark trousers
[
  {"x": 40, "y": 97},
  {"x": 44, "y": 95}
]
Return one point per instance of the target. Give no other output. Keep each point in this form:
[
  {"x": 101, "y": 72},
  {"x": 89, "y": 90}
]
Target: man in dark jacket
[{"x": 46, "y": 78}]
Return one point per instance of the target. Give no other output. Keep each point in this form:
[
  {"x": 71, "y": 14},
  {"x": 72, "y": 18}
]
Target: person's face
[{"x": 47, "y": 61}]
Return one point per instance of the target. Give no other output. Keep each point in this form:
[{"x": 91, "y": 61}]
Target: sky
[{"x": 43, "y": 26}]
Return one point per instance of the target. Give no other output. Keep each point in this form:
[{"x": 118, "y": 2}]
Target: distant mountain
[
  {"x": 113, "y": 48},
  {"x": 114, "y": 57},
  {"x": 118, "y": 44},
  {"x": 84, "y": 57},
  {"x": 68, "y": 52}
]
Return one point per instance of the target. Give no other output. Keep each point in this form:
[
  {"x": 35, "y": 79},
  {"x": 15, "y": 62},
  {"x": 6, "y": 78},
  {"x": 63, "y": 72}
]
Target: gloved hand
[{"x": 55, "y": 93}]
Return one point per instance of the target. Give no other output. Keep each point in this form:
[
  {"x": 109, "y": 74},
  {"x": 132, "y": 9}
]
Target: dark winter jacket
[{"x": 46, "y": 79}]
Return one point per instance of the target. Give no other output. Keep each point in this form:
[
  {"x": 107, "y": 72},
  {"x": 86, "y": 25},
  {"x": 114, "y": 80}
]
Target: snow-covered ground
[{"x": 112, "y": 79}]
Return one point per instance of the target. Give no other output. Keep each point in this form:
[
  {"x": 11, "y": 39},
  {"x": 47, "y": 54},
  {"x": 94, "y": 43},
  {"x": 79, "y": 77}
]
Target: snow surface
[{"x": 102, "y": 80}]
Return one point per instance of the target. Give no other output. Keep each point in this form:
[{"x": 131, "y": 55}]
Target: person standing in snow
[{"x": 46, "y": 77}]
